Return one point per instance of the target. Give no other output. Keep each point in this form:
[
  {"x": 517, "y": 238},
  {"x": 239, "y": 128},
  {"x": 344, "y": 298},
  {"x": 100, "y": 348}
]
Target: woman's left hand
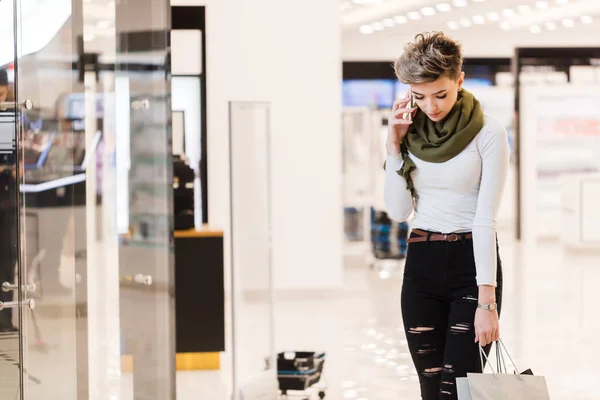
[{"x": 487, "y": 327}]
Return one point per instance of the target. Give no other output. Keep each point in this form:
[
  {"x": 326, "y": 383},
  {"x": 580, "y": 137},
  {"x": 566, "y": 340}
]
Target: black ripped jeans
[{"x": 439, "y": 300}]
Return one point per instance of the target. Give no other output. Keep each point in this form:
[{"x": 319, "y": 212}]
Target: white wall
[
  {"x": 477, "y": 42},
  {"x": 287, "y": 53}
]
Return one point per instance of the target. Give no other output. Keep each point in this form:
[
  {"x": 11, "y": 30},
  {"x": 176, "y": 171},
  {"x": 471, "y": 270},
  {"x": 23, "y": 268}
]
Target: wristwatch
[{"x": 488, "y": 306}]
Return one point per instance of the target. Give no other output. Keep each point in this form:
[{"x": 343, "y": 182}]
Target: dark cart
[{"x": 299, "y": 371}]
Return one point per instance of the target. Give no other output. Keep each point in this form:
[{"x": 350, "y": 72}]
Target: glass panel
[
  {"x": 252, "y": 285},
  {"x": 10, "y": 316},
  {"x": 145, "y": 189},
  {"x": 53, "y": 198},
  {"x": 97, "y": 199}
]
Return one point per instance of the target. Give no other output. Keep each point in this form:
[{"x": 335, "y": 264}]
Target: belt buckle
[{"x": 453, "y": 237}]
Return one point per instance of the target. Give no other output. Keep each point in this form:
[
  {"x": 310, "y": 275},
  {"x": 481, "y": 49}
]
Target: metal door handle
[
  {"x": 13, "y": 304},
  {"x": 7, "y": 287},
  {"x": 11, "y": 105}
]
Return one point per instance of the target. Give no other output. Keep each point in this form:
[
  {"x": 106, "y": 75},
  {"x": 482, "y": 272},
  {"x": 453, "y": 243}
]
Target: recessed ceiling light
[
  {"x": 459, "y": 3},
  {"x": 414, "y": 15},
  {"x": 366, "y": 29},
  {"x": 400, "y": 19},
  {"x": 551, "y": 26},
  {"x": 453, "y": 25},
  {"x": 478, "y": 19},
  {"x": 505, "y": 25},
  {"x": 428, "y": 11},
  {"x": 493, "y": 16},
  {"x": 586, "y": 19},
  {"x": 562, "y": 2},
  {"x": 524, "y": 8},
  {"x": 378, "y": 26},
  {"x": 542, "y": 5},
  {"x": 508, "y": 12},
  {"x": 444, "y": 7},
  {"x": 465, "y": 22},
  {"x": 568, "y": 23},
  {"x": 478, "y": 1},
  {"x": 388, "y": 22},
  {"x": 535, "y": 29}
]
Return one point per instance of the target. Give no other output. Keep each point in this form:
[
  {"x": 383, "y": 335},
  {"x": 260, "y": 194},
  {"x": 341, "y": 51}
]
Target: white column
[{"x": 287, "y": 53}]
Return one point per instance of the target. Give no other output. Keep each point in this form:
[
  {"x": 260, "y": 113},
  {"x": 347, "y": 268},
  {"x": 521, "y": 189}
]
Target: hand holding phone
[{"x": 399, "y": 122}]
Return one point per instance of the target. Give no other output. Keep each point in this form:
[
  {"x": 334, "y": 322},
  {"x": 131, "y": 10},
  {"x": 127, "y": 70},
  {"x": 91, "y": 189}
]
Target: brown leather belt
[{"x": 437, "y": 237}]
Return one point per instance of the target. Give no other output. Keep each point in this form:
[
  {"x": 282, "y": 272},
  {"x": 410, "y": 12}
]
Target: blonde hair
[{"x": 430, "y": 56}]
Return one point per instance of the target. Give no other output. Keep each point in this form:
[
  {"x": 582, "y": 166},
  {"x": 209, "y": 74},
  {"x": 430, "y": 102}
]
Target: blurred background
[{"x": 192, "y": 194}]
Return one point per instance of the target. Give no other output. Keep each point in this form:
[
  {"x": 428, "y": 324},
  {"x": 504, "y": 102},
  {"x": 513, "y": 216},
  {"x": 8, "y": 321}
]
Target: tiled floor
[{"x": 549, "y": 323}]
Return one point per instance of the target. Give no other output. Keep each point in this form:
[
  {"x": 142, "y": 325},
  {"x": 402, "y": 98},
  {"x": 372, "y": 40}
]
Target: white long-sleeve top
[{"x": 460, "y": 195}]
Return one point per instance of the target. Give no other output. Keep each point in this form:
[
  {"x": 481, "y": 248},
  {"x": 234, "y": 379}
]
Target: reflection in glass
[{"x": 96, "y": 332}]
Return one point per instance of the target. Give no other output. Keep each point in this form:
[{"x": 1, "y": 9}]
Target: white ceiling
[
  {"x": 376, "y": 29},
  {"x": 536, "y": 16}
]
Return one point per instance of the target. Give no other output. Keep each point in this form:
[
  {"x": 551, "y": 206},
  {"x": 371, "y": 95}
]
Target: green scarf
[{"x": 441, "y": 141}]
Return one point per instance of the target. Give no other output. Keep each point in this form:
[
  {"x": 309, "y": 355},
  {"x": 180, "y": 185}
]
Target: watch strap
[{"x": 488, "y": 306}]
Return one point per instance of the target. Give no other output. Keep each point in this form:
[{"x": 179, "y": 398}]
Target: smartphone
[{"x": 411, "y": 103}]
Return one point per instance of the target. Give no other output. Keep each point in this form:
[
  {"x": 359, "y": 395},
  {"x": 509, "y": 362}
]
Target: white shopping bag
[{"x": 501, "y": 386}]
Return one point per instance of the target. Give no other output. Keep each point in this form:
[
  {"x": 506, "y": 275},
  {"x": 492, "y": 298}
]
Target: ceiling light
[
  {"x": 400, "y": 19},
  {"x": 478, "y": 1},
  {"x": 453, "y": 25},
  {"x": 524, "y": 9},
  {"x": 542, "y": 5},
  {"x": 508, "y": 12},
  {"x": 562, "y": 2},
  {"x": 551, "y": 26},
  {"x": 459, "y": 3},
  {"x": 428, "y": 11},
  {"x": 444, "y": 7},
  {"x": 505, "y": 25},
  {"x": 535, "y": 29},
  {"x": 378, "y": 26},
  {"x": 366, "y": 29},
  {"x": 465, "y": 22},
  {"x": 568, "y": 23},
  {"x": 388, "y": 22},
  {"x": 586, "y": 19},
  {"x": 478, "y": 19},
  {"x": 413, "y": 15}
]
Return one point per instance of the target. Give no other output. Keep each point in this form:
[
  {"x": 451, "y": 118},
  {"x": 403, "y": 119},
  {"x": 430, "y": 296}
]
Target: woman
[{"x": 447, "y": 162}]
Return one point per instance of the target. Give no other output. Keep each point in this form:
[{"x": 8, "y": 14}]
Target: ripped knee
[
  {"x": 432, "y": 372},
  {"x": 420, "y": 329},
  {"x": 461, "y": 328}
]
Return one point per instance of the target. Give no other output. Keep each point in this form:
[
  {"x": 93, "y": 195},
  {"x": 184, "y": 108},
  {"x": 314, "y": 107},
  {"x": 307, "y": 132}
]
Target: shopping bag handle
[{"x": 499, "y": 347}]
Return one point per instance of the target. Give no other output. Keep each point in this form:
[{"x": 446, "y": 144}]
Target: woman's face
[{"x": 436, "y": 99}]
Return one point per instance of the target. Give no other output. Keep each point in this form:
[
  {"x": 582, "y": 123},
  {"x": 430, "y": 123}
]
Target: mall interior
[{"x": 192, "y": 194}]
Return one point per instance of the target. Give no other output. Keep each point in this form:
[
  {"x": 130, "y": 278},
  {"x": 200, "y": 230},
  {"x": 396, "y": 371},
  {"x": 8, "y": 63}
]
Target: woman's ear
[{"x": 460, "y": 80}]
